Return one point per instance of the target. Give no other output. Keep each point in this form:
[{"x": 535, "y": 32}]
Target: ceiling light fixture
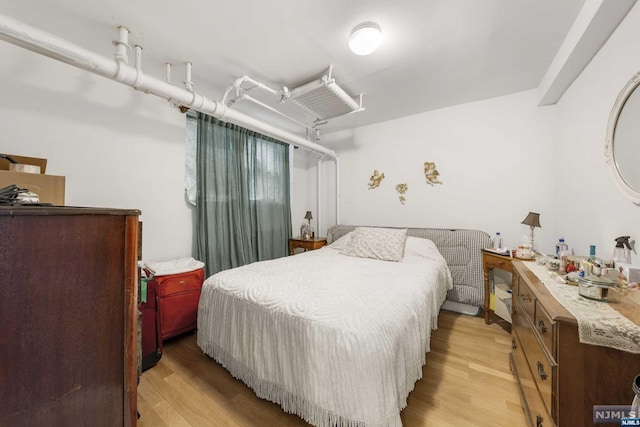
[{"x": 365, "y": 38}]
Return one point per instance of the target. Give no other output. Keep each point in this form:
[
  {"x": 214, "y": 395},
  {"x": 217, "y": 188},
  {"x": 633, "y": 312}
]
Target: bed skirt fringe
[
  {"x": 290, "y": 403},
  {"x": 225, "y": 327}
]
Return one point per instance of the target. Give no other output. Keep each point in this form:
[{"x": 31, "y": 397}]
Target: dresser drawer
[
  {"x": 534, "y": 408},
  {"x": 526, "y": 298},
  {"x": 541, "y": 367},
  {"x": 545, "y": 328}
]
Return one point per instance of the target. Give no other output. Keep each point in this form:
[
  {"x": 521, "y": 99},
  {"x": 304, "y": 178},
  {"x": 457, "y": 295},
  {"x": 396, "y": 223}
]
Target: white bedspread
[{"x": 335, "y": 339}]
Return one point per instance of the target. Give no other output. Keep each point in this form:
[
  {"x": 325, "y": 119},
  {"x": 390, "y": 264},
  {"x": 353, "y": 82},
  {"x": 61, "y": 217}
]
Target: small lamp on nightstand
[
  {"x": 532, "y": 220},
  {"x": 309, "y": 231}
]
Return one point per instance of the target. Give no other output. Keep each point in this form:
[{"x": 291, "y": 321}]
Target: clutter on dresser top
[{"x": 595, "y": 278}]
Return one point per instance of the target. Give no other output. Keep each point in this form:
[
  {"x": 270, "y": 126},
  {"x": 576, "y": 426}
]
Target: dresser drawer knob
[
  {"x": 538, "y": 421},
  {"x": 525, "y": 297},
  {"x": 182, "y": 283},
  {"x": 513, "y": 344},
  {"x": 541, "y": 372},
  {"x": 542, "y": 326}
]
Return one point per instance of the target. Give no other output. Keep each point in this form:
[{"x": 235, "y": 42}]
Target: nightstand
[
  {"x": 489, "y": 262},
  {"x": 306, "y": 244}
]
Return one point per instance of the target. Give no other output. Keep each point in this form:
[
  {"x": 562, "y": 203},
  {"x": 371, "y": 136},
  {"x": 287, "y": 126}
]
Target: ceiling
[{"x": 435, "y": 53}]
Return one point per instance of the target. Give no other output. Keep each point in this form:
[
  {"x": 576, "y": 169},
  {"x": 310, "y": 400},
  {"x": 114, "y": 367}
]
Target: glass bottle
[
  {"x": 592, "y": 253},
  {"x": 560, "y": 247},
  {"x": 562, "y": 254},
  {"x": 497, "y": 242}
]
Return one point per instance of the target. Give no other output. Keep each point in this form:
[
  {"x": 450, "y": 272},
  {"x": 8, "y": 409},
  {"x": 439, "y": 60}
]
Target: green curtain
[{"x": 243, "y": 208}]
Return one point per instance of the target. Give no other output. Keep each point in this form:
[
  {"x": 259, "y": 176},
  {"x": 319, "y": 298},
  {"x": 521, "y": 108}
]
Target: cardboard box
[
  {"x": 49, "y": 188},
  {"x": 4, "y": 163}
]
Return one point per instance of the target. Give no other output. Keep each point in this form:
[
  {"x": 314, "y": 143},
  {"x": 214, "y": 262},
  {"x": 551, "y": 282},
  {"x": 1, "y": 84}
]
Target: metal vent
[{"x": 324, "y": 99}]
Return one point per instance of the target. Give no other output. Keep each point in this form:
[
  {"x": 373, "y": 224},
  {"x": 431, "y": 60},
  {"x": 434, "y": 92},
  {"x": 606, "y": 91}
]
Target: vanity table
[{"x": 560, "y": 380}]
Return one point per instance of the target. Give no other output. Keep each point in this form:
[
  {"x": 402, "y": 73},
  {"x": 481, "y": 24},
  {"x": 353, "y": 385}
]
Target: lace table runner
[{"x": 598, "y": 323}]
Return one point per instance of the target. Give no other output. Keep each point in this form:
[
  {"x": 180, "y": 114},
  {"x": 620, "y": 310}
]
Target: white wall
[
  {"x": 117, "y": 147},
  {"x": 495, "y": 159},
  {"x": 299, "y": 190},
  {"x": 591, "y": 209},
  {"x": 498, "y": 158},
  {"x": 550, "y": 160}
]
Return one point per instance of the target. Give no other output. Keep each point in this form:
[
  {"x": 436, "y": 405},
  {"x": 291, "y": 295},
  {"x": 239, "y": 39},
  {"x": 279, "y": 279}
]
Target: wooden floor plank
[
  {"x": 195, "y": 407},
  {"x": 466, "y": 382},
  {"x": 151, "y": 418}
]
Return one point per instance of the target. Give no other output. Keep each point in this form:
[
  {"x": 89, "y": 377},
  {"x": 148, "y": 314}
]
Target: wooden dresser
[
  {"x": 560, "y": 380},
  {"x": 68, "y": 291}
]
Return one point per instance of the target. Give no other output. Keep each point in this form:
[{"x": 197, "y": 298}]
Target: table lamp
[
  {"x": 532, "y": 220},
  {"x": 308, "y": 233}
]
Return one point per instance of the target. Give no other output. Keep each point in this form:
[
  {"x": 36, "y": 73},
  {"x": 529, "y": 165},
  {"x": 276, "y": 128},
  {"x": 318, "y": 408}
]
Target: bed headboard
[{"x": 461, "y": 250}]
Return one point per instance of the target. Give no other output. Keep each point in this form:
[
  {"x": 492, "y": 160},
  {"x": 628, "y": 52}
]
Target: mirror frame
[{"x": 629, "y": 192}]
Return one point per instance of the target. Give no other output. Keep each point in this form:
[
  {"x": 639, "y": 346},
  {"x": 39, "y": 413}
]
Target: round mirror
[{"x": 623, "y": 140}]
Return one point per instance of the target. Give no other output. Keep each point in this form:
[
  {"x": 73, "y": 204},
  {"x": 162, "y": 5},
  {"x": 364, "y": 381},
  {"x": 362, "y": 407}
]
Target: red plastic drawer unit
[{"x": 178, "y": 297}]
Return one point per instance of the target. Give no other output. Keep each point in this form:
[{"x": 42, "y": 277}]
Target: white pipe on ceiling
[
  {"x": 36, "y": 40},
  {"x": 188, "y": 84},
  {"x": 261, "y": 85},
  {"x": 245, "y": 97},
  {"x": 337, "y": 159},
  {"x": 319, "y": 196},
  {"x": 168, "y": 68}
]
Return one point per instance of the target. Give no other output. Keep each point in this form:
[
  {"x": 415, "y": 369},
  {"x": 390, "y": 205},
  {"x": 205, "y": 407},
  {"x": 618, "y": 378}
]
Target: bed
[
  {"x": 333, "y": 336},
  {"x": 461, "y": 250}
]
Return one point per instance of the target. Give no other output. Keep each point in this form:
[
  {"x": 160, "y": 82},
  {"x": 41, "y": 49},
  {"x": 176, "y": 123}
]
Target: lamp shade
[
  {"x": 532, "y": 220},
  {"x": 308, "y": 216}
]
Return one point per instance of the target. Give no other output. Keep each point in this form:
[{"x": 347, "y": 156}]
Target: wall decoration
[
  {"x": 375, "y": 180},
  {"x": 402, "y": 188},
  {"x": 431, "y": 173}
]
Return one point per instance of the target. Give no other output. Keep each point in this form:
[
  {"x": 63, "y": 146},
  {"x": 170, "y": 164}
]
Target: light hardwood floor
[{"x": 466, "y": 382}]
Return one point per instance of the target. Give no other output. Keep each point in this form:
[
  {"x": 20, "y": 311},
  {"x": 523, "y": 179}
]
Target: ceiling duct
[{"x": 324, "y": 98}]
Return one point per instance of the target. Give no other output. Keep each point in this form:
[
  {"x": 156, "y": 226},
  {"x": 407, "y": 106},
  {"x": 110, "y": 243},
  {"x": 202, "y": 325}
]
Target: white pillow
[
  {"x": 423, "y": 248},
  {"x": 340, "y": 243},
  {"x": 378, "y": 243}
]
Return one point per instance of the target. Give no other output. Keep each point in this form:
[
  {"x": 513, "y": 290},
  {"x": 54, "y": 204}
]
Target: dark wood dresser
[
  {"x": 68, "y": 292},
  {"x": 561, "y": 380}
]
